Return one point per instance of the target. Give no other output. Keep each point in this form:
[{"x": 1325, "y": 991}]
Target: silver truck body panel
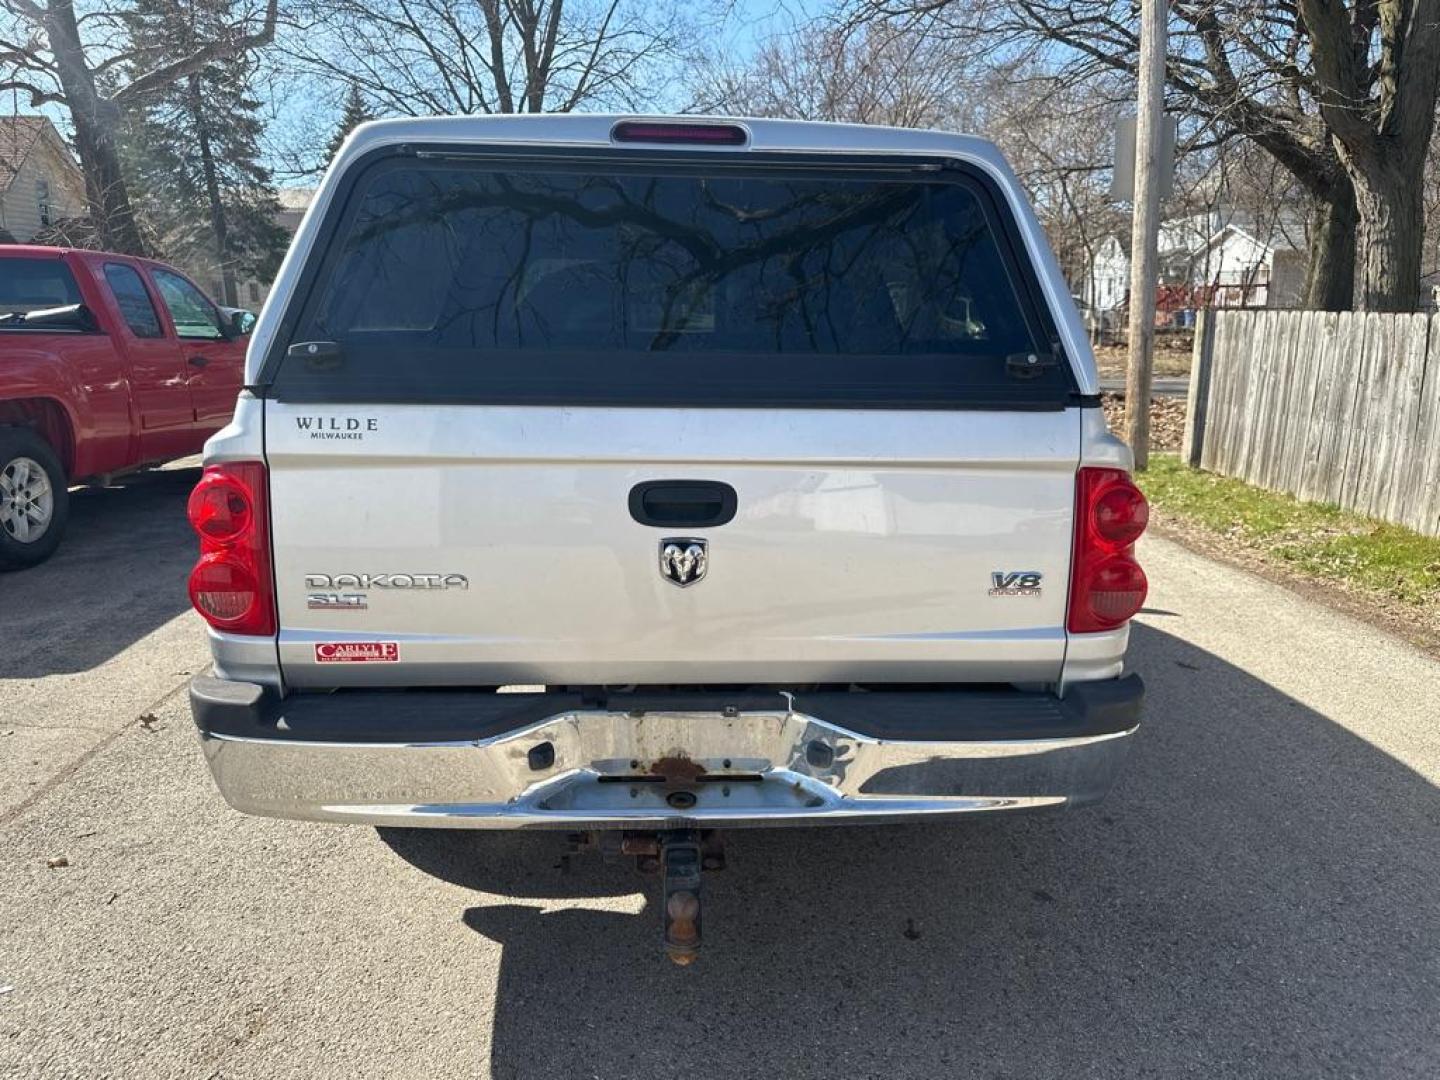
[{"x": 863, "y": 549}]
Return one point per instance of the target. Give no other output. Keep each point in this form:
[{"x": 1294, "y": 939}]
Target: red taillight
[
  {"x": 220, "y": 507},
  {"x": 231, "y": 584},
  {"x": 1107, "y": 586},
  {"x": 1117, "y": 589},
  {"x": 693, "y": 134},
  {"x": 223, "y": 589},
  {"x": 1121, "y": 513}
]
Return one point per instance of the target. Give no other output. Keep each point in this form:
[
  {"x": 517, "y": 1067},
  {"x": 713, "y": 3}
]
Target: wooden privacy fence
[{"x": 1336, "y": 407}]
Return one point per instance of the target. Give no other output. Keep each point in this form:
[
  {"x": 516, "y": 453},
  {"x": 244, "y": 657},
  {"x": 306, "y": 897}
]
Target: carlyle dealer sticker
[{"x": 357, "y": 652}]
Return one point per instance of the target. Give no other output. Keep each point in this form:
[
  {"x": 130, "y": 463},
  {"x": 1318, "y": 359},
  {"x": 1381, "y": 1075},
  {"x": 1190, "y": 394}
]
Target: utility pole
[{"x": 1149, "y": 122}]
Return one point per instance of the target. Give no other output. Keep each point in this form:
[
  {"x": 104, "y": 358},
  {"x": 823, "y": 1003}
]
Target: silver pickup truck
[{"x": 641, "y": 477}]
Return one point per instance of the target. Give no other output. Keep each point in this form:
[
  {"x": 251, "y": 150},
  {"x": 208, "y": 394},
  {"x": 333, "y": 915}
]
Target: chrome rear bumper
[{"x": 661, "y": 768}]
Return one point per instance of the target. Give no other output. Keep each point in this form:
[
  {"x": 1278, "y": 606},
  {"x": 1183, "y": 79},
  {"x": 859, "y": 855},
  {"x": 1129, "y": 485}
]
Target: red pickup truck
[{"x": 108, "y": 363}]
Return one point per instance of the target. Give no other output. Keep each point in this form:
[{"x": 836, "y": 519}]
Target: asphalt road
[
  {"x": 1260, "y": 897},
  {"x": 1176, "y": 386}
]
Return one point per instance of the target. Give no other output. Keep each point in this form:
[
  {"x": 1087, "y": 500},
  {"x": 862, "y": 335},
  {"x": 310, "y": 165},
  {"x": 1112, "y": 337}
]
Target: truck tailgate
[{"x": 481, "y": 545}]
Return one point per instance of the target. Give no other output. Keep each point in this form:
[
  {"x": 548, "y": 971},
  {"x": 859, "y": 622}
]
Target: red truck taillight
[
  {"x": 231, "y": 586},
  {"x": 1107, "y": 585}
]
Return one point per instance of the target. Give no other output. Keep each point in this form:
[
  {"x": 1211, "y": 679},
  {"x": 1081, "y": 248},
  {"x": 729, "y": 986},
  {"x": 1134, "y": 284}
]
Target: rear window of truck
[
  {"x": 447, "y": 280},
  {"x": 36, "y": 284}
]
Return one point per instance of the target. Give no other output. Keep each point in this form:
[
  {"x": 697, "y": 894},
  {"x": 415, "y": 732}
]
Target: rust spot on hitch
[{"x": 677, "y": 771}]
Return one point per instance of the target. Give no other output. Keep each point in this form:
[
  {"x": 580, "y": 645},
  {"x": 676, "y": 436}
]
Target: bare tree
[
  {"x": 1238, "y": 66},
  {"x": 882, "y": 73},
  {"x": 1430, "y": 258},
  {"x": 1056, "y": 141},
  {"x": 1375, "y": 70},
  {"x": 427, "y": 57},
  {"x": 894, "y": 72},
  {"x": 55, "y": 55}
]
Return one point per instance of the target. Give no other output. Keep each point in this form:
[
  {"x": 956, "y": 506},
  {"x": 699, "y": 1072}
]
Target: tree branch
[
  {"x": 38, "y": 97},
  {"x": 219, "y": 49},
  {"x": 1342, "y": 75},
  {"x": 1417, "y": 55}
]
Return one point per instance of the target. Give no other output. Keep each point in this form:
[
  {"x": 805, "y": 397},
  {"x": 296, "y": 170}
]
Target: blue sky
[
  {"x": 754, "y": 19},
  {"x": 303, "y": 115}
]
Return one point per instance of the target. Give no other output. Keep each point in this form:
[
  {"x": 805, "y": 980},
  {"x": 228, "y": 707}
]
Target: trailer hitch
[
  {"x": 680, "y": 865},
  {"x": 678, "y": 856}
]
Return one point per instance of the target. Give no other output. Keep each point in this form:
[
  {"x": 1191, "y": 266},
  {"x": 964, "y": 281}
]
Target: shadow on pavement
[
  {"x": 120, "y": 573},
  {"x": 1258, "y": 897}
]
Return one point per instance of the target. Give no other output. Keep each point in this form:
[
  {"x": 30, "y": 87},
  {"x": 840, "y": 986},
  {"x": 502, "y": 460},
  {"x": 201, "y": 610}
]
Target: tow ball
[
  {"x": 679, "y": 856},
  {"x": 680, "y": 865}
]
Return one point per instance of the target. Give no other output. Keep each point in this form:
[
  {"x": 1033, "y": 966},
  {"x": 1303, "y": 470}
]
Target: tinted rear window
[
  {"x": 35, "y": 284},
  {"x": 450, "y": 280}
]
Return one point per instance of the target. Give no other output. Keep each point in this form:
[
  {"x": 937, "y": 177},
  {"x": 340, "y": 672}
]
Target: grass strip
[{"x": 1316, "y": 539}]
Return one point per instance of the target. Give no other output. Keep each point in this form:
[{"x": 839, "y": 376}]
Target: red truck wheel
[{"x": 34, "y": 501}]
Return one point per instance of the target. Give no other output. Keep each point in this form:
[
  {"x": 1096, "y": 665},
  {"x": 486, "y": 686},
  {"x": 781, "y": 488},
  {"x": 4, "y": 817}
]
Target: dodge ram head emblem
[{"x": 683, "y": 559}]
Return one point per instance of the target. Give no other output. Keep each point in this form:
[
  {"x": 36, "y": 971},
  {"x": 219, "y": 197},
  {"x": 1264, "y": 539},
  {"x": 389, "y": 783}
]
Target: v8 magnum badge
[
  {"x": 1015, "y": 582},
  {"x": 684, "y": 559}
]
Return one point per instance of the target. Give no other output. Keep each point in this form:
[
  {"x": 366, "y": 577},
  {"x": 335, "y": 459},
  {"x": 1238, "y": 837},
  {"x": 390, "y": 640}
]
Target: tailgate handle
[{"x": 672, "y": 504}]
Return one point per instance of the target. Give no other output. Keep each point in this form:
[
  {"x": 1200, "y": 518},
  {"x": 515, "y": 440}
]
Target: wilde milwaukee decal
[{"x": 337, "y": 427}]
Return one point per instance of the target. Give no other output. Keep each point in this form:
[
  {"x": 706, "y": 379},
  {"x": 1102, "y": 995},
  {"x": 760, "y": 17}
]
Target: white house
[
  {"x": 41, "y": 185},
  {"x": 1218, "y": 258},
  {"x": 1108, "y": 280}
]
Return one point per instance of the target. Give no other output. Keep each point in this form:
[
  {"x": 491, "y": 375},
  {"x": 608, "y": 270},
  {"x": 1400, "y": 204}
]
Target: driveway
[{"x": 1260, "y": 897}]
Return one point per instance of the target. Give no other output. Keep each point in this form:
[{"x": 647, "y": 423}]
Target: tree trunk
[
  {"x": 1380, "y": 109},
  {"x": 1330, "y": 277},
  {"x": 95, "y": 120},
  {"x": 1389, "y": 197},
  {"x": 218, "y": 225}
]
